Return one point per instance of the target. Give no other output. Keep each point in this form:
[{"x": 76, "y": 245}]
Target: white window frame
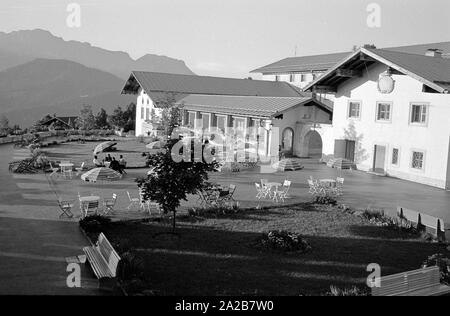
[
  {"x": 411, "y": 106},
  {"x": 209, "y": 120},
  {"x": 189, "y": 123},
  {"x": 277, "y": 78},
  {"x": 225, "y": 117},
  {"x": 377, "y": 107},
  {"x": 142, "y": 113},
  {"x": 348, "y": 109},
  {"x": 413, "y": 150},
  {"x": 398, "y": 156},
  {"x": 303, "y": 78}
]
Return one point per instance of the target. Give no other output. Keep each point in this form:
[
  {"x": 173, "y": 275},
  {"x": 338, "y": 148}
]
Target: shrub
[
  {"x": 379, "y": 218},
  {"x": 94, "y": 223},
  {"x": 353, "y": 291},
  {"x": 284, "y": 241},
  {"x": 442, "y": 262},
  {"x": 216, "y": 211},
  {"x": 131, "y": 266},
  {"x": 325, "y": 199}
]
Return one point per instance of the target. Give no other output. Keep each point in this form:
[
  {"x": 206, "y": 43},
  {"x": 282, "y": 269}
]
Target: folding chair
[
  {"x": 260, "y": 191},
  {"x": 109, "y": 204},
  {"x": 66, "y": 208},
  {"x": 282, "y": 194},
  {"x": 90, "y": 207},
  {"x": 80, "y": 170},
  {"x": 53, "y": 169},
  {"x": 133, "y": 201}
]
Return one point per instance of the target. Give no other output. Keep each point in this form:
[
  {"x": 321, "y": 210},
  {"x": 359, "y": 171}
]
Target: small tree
[
  {"x": 4, "y": 124},
  {"x": 171, "y": 113},
  {"x": 172, "y": 181},
  {"x": 101, "y": 119},
  {"x": 86, "y": 120}
]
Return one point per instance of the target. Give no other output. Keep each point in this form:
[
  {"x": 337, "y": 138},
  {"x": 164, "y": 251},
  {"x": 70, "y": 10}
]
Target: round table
[
  {"x": 90, "y": 198},
  {"x": 66, "y": 168}
]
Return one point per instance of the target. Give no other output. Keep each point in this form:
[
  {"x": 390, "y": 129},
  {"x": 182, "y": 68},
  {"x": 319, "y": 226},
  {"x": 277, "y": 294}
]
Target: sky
[{"x": 231, "y": 37}]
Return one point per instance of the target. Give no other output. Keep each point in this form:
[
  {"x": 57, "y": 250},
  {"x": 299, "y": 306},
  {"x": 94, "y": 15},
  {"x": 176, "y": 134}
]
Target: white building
[
  {"x": 300, "y": 122},
  {"x": 391, "y": 113}
]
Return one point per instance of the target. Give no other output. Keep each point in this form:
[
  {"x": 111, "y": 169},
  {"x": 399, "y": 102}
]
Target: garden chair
[
  {"x": 314, "y": 187},
  {"x": 66, "y": 208},
  {"x": 53, "y": 169},
  {"x": 89, "y": 207},
  {"x": 283, "y": 193},
  {"x": 133, "y": 201},
  {"x": 261, "y": 193},
  {"x": 80, "y": 169},
  {"x": 229, "y": 196},
  {"x": 109, "y": 204}
]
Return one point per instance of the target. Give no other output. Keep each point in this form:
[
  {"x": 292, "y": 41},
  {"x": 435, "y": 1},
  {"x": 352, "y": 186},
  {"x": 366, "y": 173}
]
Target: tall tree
[
  {"x": 86, "y": 119},
  {"x": 101, "y": 119},
  {"x": 171, "y": 113},
  {"x": 117, "y": 118},
  {"x": 4, "y": 124},
  {"x": 171, "y": 181}
]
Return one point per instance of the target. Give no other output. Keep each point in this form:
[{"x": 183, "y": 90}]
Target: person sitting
[
  {"x": 96, "y": 162},
  {"x": 115, "y": 165},
  {"x": 108, "y": 158},
  {"x": 122, "y": 163}
]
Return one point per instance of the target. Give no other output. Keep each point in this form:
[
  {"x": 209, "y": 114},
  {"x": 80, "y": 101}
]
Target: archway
[
  {"x": 313, "y": 144},
  {"x": 287, "y": 140}
]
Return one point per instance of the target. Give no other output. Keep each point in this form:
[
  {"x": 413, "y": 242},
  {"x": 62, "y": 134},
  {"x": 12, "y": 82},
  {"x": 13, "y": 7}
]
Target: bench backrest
[
  {"x": 108, "y": 253},
  {"x": 424, "y": 219},
  {"x": 409, "y": 281}
]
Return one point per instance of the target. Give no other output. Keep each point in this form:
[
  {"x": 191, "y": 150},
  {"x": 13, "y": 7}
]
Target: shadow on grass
[{"x": 208, "y": 261}]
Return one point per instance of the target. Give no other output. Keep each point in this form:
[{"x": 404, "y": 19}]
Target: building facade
[{"x": 392, "y": 114}]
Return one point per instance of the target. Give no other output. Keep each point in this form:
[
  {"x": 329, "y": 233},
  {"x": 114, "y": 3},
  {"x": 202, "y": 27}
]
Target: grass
[{"x": 216, "y": 256}]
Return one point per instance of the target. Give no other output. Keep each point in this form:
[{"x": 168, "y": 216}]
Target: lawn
[
  {"x": 216, "y": 256},
  {"x": 75, "y": 152}
]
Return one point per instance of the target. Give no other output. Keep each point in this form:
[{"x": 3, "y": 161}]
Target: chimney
[{"x": 434, "y": 52}]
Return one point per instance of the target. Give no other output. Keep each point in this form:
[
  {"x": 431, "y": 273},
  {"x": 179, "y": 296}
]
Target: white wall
[
  {"x": 144, "y": 102},
  {"x": 433, "y": 138}
]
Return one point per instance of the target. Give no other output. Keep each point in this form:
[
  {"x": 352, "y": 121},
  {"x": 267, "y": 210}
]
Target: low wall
[{"x": 44, "y": 135}]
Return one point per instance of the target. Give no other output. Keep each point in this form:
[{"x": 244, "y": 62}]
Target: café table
[{"x": 66, "y": 169}]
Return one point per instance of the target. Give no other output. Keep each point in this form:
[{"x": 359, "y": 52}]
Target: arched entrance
[
  {"x": 287, "y": 141},
  {"x": 313, "y": 144}
]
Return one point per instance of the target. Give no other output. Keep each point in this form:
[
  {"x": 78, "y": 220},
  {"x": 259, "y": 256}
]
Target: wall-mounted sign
[{"x": 386, "y": 83}]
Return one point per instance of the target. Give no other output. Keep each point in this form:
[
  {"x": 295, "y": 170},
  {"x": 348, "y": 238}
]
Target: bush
[
  {"x": 284, "y": 241},
  {"x": 354, "y": 291},
  {"x": 131, "y": 266},
  {"x": 443, "y": 263},
  {"x": 379, "y": 218},
  {"x": 215, "y": 211},
  {"x": 94, "y": 223},
  {"x": 325, "y": 199}
]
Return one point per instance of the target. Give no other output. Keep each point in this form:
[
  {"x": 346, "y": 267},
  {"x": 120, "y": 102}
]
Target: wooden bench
[
  {"x": 104, "y": 261},
  {"x": 422, "y": 282},
  {"x": 429, "y": 223}
]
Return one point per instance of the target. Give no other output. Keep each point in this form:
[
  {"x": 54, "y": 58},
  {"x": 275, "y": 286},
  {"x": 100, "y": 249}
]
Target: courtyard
[{"x": 216, "y": 252}]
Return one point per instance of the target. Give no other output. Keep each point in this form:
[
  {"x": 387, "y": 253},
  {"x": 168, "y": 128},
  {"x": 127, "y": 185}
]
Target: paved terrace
[{"x": 35, "y": 242}]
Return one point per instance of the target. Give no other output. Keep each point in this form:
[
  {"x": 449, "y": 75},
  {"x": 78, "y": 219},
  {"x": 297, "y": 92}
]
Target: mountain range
[{"x": 41, "y": 73}]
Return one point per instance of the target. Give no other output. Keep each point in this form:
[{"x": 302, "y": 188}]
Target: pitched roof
[
  {"x": 434, "y": 72},
  {"x": 68, "y": 120},
  {"x": 247, "y": 105},
  {"x": 324, "y": 62},
  {"x": 157, "y": 83}
]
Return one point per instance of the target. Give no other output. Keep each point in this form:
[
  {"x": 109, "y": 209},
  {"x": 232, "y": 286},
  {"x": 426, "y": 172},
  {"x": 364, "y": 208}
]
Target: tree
[
  {"x": 130, "y": 116},
  {"x": 172, "y": 181},
  {"x": 117, "y": 119},
  {"x": 86, "y": 119},
  {"x": 171, "y": 113},
  {"x": 39, "y": 125},
  {"x": 101, "y": 119},
  {"x": 4, "y": 124}
]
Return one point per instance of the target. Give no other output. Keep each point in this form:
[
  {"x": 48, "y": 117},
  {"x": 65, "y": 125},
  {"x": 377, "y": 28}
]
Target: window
[
  {"x": 142, "y": 113},
  {"x": 191, "y": 119},
  {"x": 287, "y": 140},
  {"x": 303, "y": 77},
  {"x": 277, "y": 78},
  {"x": 395, "y": 156},
  {"x": 384, "y": 111},
  {"x": 314, "y": 76},
  {"x": 205, "y": 120},
  {"x": 419, "y": 113},
  {"x": 147, "y": 114},
  {"x": 292, "y": 78},
  {"x": 417, "y": 160},
  {"x": 221, "y": 120},
  {"x": 354, "y": 109}
]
